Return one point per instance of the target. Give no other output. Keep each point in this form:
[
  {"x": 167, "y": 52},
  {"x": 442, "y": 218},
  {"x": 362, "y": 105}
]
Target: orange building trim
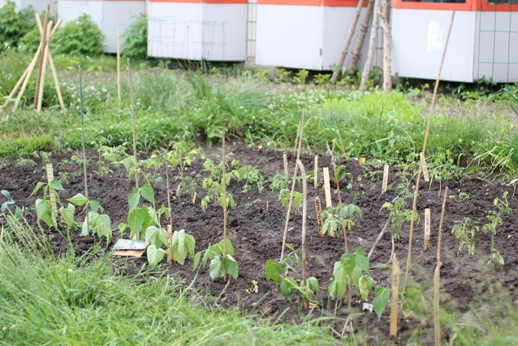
[
  {"x": 334, "y": 3},
  {"x": 205, "y": 1},
  {"x": 470, "y": 5}
]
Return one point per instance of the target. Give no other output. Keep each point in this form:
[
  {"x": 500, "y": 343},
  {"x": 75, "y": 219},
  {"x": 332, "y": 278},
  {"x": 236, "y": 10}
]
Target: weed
[{"x": 464, "y": 230}]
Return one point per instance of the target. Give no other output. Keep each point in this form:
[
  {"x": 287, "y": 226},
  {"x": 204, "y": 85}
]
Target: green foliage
[
  {"x": 332, "y": 220},
  {"x": 282, "y": 75},
  {"x": 352, "y": 266},
  {"x": 322, "y": 78},
  {"x": 135, "y": 46},
  {"x": 219, "y": 264},
  {"x": 14, "y": 24},
  {"x": 495, "y": 218},
  {"x": 79, "y": 37},
  {"x": 381, "y": 298},
  {"x": 464, "y": 230},
  {"x": 99, "y": 224},
  {"x": 301, "y": 76},
  {"x": 182, "y": 244},
  {"x": 43, "y": 205}
]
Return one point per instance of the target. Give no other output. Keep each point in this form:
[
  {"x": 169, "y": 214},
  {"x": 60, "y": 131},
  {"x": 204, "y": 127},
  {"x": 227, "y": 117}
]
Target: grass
[
  {"x": 175, "y": 105},
  {"x": 86, "y": 301}
]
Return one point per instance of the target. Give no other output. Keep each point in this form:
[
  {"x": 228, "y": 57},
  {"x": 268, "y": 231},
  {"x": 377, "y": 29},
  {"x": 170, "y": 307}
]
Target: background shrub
[
  {"x": 136, "y": 39},
  {"x": 14, "y": 25}
]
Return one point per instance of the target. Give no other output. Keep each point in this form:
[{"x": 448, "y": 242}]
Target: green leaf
[
  {"x": 196, "y": 261},
  {"x": 43, "y": 211},
  {"x": 136, "y": 218},
  {"x": 154, "y": 255},
  {"x": 361, "y": 260},
  {"x": 68, "y": 214},
  {"x": 340, "y": 280},
  {"x": 230, "y": 265},
  {"x": 56, "y": 185},
  {"x": 79, "y": 199},
  {"x": 190, "y": 244},
  {"x": 133, "y": 200},
  {"x": 382, "y": 296},
  {"x": 94, "y": 206},
  {"x": 147, "y": 192},
  {"x": 312, "y": 283},
  {"x": 103, "y": 227},
  {"x": 153, "y": 236},
  {"x": 413, "y": 301},
  {"x": 365, "y": 284},
  {"x": 286, "y": 290},
  {"x": 215, "y": 268},
  {"x": 272, "y": 270},
  {"x": 38, "y": 186}
]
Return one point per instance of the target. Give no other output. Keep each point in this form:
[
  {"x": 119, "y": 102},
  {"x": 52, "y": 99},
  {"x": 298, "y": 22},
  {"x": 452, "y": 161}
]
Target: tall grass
[
  {"x": 174, "y": 105},
  {"x": 85, "y": 301}
]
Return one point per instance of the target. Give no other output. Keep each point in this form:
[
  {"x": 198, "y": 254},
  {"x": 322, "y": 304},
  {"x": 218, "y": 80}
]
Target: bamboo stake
[
  {"x": 224, "y": 182},
  {"x": 379, "y": 238},
  {"x": 318, "y": 210},
  {"x": 52, "y": 192},
  {"x": 170, "y": 226},
  {"x": 293, "y": 181},
  {"x": 347, "y": 43},
  {"x": 43, "y": 67},
  {"x": 43, "y": 41},
  {"x": 133, "y": 124},
  {"x": 437, "y": 277},
  {"x": 372, "y": 42},
  {"x": 304, "y": 217},
  {"x": 285, "y": 161},
  {"x": 427, "y": 217},
  {"x": 53, "y": 68},
  {"x": 315, "y": 173},
  {"x": 394, "y": 302},
  {"x": 385, "y": 23},
  {"x": 327, "y": 187},
  {"x": 81, "y": 112},
  {"x": 119, "y": 66},
  {"x": 361, "y": 37},
  {"x": 416, "y": 190}
]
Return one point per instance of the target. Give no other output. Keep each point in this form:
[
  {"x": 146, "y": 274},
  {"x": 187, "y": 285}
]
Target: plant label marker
[
  {"x": 426, "y": 176},
  {"x": 427, "y": 229},
  {"x": 361, "y": 160},
  {"x": 318, "y": 209},
  {"x": 385, "y": 179},
  {"x": 285, "y": 160},
  {"x": 52, "y": 192},
  {"x": 394, "y": 304},
  {"x": 315, "y": 173},
  {"x": 194, "y": 198},
  {"x": 327, "y": 189}
]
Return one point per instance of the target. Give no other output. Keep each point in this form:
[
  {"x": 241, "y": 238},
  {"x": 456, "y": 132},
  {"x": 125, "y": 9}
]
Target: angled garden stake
[
  {"x": 133, "y": 125},
  {"x": 47, "y": 31},
  {"x": 437, "y": 277},
  {"x": 414, "y": 205},
  {"x": 81, "y": 113},
  {"x": 304, "y": 218}
]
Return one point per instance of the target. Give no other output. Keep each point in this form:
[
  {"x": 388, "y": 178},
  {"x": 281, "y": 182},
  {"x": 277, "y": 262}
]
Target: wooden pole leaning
[{"x": 44, "y": 42}]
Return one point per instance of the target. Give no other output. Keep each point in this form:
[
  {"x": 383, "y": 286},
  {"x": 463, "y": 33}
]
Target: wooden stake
[
  {"x": 379, "y": 238},
  {"x": 52, "y": 192},
  {"x": 318, "y": 210},
  {"x": 372, "y": 43},
  {"x": 119, "y": 67},
  {"x": 394, "y": 302},
  {"x": 81, "y": 113},
  {"x": 347, "y": 43},
  {"x": 293, "y": 181},
  {"x": 416, "y": 190},
  {"x": 42, "y": 53},
  {"x": 133, "y": 124},
  {"x": 315, "y": 173},
  {"x": 383, "y": 12},
  {"x": 427, "y": 229},
  {"x": 170, "y": 226},
  {"x": 224, "y": 182},
  {"x": 285, "y": 160},
  {"x": 356, "y": 53},
  {"x": 437, "y": 278},
  {"x": 385, "y": 179},
  {"x": 327, "y": 188},
  {"x": 27, "y": 77},
  {"x": 304, "y": 218},
  {"x": 424, "y": 168}
]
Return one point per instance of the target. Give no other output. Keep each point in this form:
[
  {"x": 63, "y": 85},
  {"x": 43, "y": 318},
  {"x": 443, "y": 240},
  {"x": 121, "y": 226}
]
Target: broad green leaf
[
  {"x": 230, "y": 247},
  {"x": 103, "y": 227},
  {"x": 94, "y": 206},
  {"x": 43, "y": 212},
  {"x": 361, "y": 260},
  {"x": 230, "y": 265},
  {"x": 364, "y": 286},
  {"x": 38, "y": 186},
  {"x": 190, "y": 244},
  {"x": 147, "y": 192},
  {"x": 6, "y": 194},
  {"x": 348, "y": 262},
  {"x": 215, "y": 268},
  {"x": 340, "y": 280},
  {"x": 136, "y": 219},
  {"x": 79, "y": 199},
  {"x": 382, "y": 296},
  {"x": 128, "y": 163},
  {"x": 285, "y": 290},
  {"x": 56, "y": 185},
  {"x": 154, "y": 255},
  {"x": 68, "y": 214},
  {"x": 272, "y": 270},
  {"x": 196, "y": 261},
  {"x": 133, "y": 200},
  {"x": 312, "y": 283},
  {"x": 413, "y": 301},
  {"x": 152, "y": 235},
  {"x": 355, "y": 276},
  {"x": 181, "y": 242}
]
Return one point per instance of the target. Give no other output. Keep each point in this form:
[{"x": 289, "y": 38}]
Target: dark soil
[{"x": 256, "y": 224}]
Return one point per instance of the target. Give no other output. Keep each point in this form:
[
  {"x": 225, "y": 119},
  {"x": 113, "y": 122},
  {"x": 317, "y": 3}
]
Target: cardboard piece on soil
[{"x": 129, "y": 248}]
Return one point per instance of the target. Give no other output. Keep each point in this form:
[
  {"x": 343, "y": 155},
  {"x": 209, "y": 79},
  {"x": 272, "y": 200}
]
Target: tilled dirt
[{"x": 256, "y": 224}]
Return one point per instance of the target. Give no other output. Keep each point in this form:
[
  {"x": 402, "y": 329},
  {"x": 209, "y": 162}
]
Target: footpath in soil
[{"x": 256, "y": 224}]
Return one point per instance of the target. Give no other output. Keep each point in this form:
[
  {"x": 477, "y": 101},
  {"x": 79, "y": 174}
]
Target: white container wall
[
  {"x": 107, "y": 14},
  {"x": 197, "y": 31}
]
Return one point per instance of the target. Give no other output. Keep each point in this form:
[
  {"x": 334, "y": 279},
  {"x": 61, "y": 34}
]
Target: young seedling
[
  {"x": 464, "y": 230},
  {"x": 495, "y": 217},
  {"x": 99, "y": 224},
  {"x": 332, "y": 220},
  {"x": 353, "y": 266},
  {"x": 218, "y": 264}
]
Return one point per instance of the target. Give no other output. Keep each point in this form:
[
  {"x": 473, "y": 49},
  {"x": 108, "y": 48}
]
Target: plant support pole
[
  {"x": 119, "y": 67},
  {"x": 224, "y": 182},
  {"x": 437, "y": 277},
  {"x": 304, "y": 217},
  {"x": 133, "y": 125},
  {"x": 81, "y": 112},
  {"x": 414, "y": 204}
]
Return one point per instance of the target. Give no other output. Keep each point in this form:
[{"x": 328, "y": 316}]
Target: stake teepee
[{"x": 47, "y": 31}]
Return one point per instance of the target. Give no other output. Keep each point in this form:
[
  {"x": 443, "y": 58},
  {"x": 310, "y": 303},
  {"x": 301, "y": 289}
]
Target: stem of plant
[
  {"x": 224, "y": 182},
  {"x": 81, "y": 112},
  {"x": 133, "y": 124},
  {"x": 304, "y": 217},
  {"x": 437, "y": 277},
  {"x": 170, "y": 228},
  {"x": 290, "y": 202},
  {"x": 428, "y": 125}
]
